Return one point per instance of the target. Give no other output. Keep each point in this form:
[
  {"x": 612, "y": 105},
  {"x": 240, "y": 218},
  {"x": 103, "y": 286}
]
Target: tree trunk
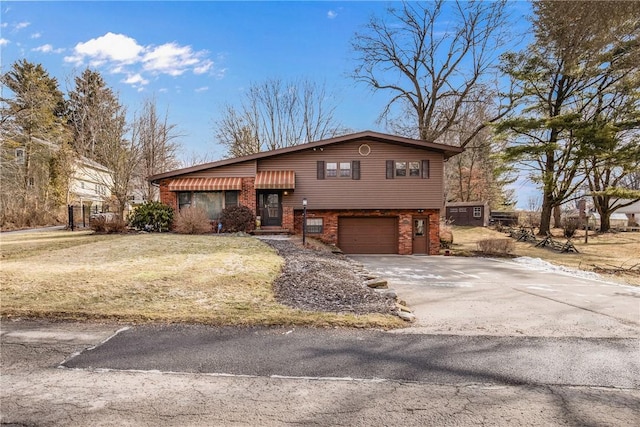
[
  {"x": 545, "y": 215},
  {"x": 601, "y": 204},
  {"x": 605, "y": 221},
  {"x": 557, "y": 217}
]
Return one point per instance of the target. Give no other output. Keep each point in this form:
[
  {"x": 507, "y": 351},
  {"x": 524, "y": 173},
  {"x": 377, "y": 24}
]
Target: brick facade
[
  {"x": 292, "y": 219},
  {"x": 247, "y": 196},
  {"x": 405, "y": 225},
  {"x": 167, "y": 197}
]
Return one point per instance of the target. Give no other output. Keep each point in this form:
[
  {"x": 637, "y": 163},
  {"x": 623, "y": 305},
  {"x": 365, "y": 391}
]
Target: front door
[
  {"x": 270, "y": 208},
  {"x": 420, "y": 236}
]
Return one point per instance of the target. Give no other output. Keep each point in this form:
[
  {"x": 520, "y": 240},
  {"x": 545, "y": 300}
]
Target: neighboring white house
[
  {"x": 632, "y": 212},
  {"x": 90, "y": 185},
  {"x": 617, "y": 220}
]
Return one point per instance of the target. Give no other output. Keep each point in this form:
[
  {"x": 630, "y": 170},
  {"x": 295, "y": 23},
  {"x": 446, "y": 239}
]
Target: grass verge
[
  {"x": 603, "y": 250},
  {"x": 217, "y": 280}
]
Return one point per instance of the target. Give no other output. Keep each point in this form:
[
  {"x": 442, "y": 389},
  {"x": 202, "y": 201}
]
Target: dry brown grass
[
  {"x": 216, "y": 280},
  {"x": 604, "y": 250}
]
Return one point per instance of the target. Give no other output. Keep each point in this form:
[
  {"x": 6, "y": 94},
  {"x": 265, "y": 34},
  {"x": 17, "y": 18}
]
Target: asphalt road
[
  {"x": 171, "y": 378},
  {"x": 369, "y": 355}
]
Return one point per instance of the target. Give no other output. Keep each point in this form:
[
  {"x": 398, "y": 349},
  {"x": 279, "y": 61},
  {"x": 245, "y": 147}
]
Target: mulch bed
[{"x": 318, "y": 280}]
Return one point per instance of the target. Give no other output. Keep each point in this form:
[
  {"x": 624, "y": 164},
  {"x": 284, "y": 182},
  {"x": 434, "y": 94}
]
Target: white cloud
[
  {"x": 36, "y": 35},
  {"x": 172, "y": 59},
  {"x": 110, "y": 47},
  {"x": 4, "y": 25},
  {"x": 4, "y": 42},
  {"x": 202, "y": 89},
  {"x": 136, "y": 79},
  {"x": 332, "y": 14},
  {"x": 21, "y": 25},
  {"x": 203, "y": 67},
  {"x": 124, "y": 55},
  {"x": 45, "y": 48}
]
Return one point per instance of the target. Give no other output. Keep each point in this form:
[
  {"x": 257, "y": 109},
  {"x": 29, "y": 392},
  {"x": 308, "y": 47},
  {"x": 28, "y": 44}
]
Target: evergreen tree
[
  {"x": 581, "y": 53},
  {"x": 32, "y": 129}
]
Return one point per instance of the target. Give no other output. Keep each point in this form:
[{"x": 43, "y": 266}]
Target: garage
[{"x": 368, "y": 235}]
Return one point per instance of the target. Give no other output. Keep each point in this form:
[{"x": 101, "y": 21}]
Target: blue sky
[{"x": 194, "y": 57}]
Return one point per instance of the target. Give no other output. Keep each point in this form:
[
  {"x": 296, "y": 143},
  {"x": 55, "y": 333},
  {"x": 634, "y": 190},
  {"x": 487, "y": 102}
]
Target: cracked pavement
[{"x": 37, "y": 392}]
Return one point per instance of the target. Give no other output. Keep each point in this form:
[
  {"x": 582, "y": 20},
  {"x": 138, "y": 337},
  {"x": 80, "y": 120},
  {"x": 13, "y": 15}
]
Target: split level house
[{"x": 365, "y": 192}]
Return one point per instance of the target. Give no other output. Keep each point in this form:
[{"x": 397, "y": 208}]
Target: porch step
[{"x": 265, "y": 231}]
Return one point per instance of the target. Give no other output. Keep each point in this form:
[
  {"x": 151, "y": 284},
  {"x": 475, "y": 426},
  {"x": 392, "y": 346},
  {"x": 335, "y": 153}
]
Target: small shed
[{"x": 468, "y": 213}]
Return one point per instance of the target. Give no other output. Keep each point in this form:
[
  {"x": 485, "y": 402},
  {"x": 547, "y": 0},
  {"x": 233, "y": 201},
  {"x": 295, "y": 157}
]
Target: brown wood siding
[
  {"x": 373, "y": 235},
  {"x": 373, "y": 190},
  {"x": 244, "y": 169},
  {"x": 463, "y": 215}
]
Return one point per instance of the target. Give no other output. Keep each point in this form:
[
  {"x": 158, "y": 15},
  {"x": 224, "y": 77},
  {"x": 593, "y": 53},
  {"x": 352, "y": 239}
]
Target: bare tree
[
  {"x": 478, "y": 173},
  {"x": 156, "y": 140},
  {"x": 434, "y": 58},
  {"x": 121, "y": 156},
  {"x": 631, "y": 181},
  {"x": 276, "y": 114}
]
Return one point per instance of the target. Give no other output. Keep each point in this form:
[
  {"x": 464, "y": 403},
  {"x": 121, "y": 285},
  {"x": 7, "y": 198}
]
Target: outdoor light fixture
[{"x": 304, "y": 221}]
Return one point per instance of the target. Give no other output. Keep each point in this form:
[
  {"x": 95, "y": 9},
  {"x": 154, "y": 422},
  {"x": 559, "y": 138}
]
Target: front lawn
[
  {"x": 603, "y": 250},
  {"x": 218, "y": 280}
]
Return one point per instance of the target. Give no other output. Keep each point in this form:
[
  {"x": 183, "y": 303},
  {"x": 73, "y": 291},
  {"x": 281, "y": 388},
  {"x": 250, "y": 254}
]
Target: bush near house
[
  {"x": 102, "y": 223},
  {"x": 192, "y": 220},
  {"x": 496, "y": 246},
  {"x": 152, "y": 216},
  {"x": 237, "y": 218}
]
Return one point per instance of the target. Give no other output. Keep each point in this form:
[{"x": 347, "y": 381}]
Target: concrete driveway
[{"x": 521, "y": 297}]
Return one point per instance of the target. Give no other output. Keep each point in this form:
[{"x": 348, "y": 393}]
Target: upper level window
[
  {"x": 405, "y": 168},
  {"x": 345, "y": 169},
  {"x": 19, "y": 155},
  {"x": 332, "y": 169},
  {"x": 339, "y": 169}
]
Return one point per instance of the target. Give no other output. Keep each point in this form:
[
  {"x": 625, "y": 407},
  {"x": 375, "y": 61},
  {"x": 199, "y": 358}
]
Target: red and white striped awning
[
  {"x": 276, "y": 180},
  {"x": 205, "y": 184}
]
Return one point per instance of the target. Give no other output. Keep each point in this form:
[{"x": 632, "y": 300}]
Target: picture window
[{"x": 213, "y": 202}]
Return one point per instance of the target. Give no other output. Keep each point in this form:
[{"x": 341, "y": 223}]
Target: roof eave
[{"x": 447, "y": 151}]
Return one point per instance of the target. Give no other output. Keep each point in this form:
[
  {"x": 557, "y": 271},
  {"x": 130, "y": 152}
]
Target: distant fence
[
  {"x": 503, "y": 218},
  {"x": 78, "y": 216}
]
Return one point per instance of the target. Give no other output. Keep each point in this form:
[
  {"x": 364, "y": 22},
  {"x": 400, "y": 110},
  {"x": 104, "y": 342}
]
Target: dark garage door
[{"x": 368, "y": 235}]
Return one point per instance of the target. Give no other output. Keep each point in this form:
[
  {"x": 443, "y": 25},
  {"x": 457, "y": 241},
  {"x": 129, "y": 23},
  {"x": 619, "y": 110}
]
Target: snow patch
[{"x": 546, "y": 267}]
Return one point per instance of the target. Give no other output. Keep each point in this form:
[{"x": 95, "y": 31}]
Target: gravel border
[{"x": 319, "y": 280}]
